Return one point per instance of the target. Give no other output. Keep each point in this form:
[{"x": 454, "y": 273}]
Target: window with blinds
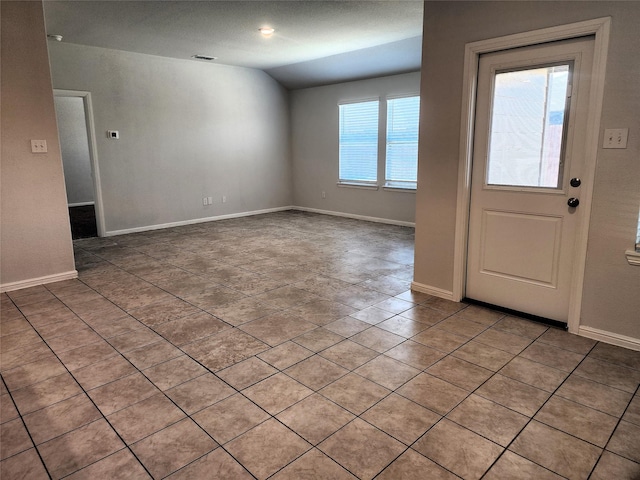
[
  {"x": 358, "y": 156},
  {"x": 401, "y": 168}
]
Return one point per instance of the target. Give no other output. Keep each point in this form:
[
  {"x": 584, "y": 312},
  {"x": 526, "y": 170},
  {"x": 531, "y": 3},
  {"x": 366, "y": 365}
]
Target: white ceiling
[{"x": 316, "y": 42}]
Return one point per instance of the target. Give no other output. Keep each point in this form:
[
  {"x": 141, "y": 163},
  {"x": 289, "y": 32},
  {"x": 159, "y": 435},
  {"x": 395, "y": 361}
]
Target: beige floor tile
[
  {"x": 191, "y": 328},
  {"x": 126, "y": 391},
  {"x": 199, "y": 393},
  {"x": 514, "y": 467},
  {"x": 557, "y": 451},
  {"x": 413, "y": 466},
  {"x": 626, "y": 441},
  {"x": 568, "y": 341},
  {"x": 277, "y": 393},
  {"x": 60, "y": 418},
  {"x": 623, "y": 378},
  {"x": 152, "y": 354},
  {"x": 347, "y": 326},
  {"x": 618, "y": 355},
  {"x": 362, "y": 449},
  {"x": 144, "y": 418},
  {"x": 632, "y": 415},
  {"x": 174, "y": 447},
  {"x": 401, "y": 418},
  {"x": 174, "y": 372},
  {"x": 480, "y": 315},
  {"x": 8, "y": 409},
  {"x": 354, "y": 393},
  {"x": 313, "y": 465},
  {"x": 246, "y": 373},
  {"x": 349, "y": 354},
  {"x": 131, "y": 341},
  {"x": 217, "y": 464},
  {"x": 552, "y": 356},
  {"x": 503, "y": 341},
  {"x": 388, "y": 372},
  {"x": 316, "y": 372},
  {"x": 372, "y": 315},
  {"x": 79, "y": 448},
  {"x": 613, "y": 466},
  {"x": 118, "y": 466},
  {"x": 433, "y": 393},
  {"x": 483, "y": 355},
  {"x": 103, "y": 372},
  {"x": 425, "y": 315},
  {"x": 533, "y": 373},
  {"x": 415, "y": 354},
  {"x": 224, "y": 349},
  {"x": 315, "y": 418},
  {"x": 285, "y": 355},
  {"x": 460, "y": 373},
  {"x": 577, "y": 420},
  {"x": 377, "y": 339},
  {"x": 13, "y": 438},
  {"x": 230, "y": 417},
  {"x": 441, "y": 340},
  {"x": 286, "y": 297},
  {"x": 40, "y": 395},
  {"x": 158, "y": 313},
  {"x": 277, "y": 328},
  {"x": 318, "y": 339},
  {"x": 486, "y": 418},
  {"x": 21, "y": 356},
  {"x": 513, "y": 394},
  {"x": 522, "y": 327},
  {"x": 25, "y": 465},
  {"x": 402, "y": 326},
  {"x": 267, "y": 448},
  {"x": 34, "y": 372},
  {"x": 595, "y": 395},
  {"x": 458, "y": 450},
  {"x": 460, "y": 326},
  {"x": 87, "y": 355}
]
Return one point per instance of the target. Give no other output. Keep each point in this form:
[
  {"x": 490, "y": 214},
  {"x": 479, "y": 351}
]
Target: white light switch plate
[
  {"x": 38, "y": 146},
  {"x": 615, "y": 138}
]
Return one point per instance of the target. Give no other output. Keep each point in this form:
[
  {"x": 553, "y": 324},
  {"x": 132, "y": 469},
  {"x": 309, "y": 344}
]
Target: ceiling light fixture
[
  {"x": 266, "y": 31},
  {"x": 57, "y": 38},
  {"x": 208, "y": 58}
]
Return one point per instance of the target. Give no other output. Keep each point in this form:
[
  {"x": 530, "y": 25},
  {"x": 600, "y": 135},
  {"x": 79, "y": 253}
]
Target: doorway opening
[{"x": 77, "y": 143}]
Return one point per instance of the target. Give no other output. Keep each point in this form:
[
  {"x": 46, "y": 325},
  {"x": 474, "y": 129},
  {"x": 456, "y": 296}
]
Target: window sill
[
  {"x": 398, "y": 188},
  {"x": 363, "y": 186},
  {"x": 633, "y": 257}
]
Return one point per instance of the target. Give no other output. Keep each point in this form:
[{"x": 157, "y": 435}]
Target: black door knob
[
  {"x": 573, "y": 202},
  {"x": 575, "y": 182}
]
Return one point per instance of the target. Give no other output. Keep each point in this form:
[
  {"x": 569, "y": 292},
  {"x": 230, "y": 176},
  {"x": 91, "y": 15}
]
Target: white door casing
[
  {"x": 600, "y": 28},
  {"x": 521, "y": 230}
]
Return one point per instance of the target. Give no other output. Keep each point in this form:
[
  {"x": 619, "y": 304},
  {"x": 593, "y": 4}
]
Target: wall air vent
[{"x": 203, "y": 57}]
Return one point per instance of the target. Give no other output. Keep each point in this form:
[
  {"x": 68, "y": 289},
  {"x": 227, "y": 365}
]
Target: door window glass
[{"x": 527, "y": 127}]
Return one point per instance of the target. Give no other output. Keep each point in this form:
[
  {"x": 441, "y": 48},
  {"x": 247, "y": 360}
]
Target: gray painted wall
[
  {"x": 74, "y": 144},
  {"x": 187, "y": 130},
  {"x": 314, "y": 147},
  {"x": 611, "y": 301}
]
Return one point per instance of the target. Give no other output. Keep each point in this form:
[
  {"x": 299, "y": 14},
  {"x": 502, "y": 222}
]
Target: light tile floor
[{"x": 289, "y": 346}]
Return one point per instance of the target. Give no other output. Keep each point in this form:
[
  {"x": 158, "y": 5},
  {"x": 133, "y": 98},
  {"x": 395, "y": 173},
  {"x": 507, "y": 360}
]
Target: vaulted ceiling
[{"x": 315, "y": 42}]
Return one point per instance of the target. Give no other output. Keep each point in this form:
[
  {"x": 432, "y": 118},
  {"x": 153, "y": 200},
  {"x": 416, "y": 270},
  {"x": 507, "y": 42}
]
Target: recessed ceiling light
[
  {"x": 52, "y": 36},
  {"x": 208, "y": 58},
  {"x": 266, "y": 31}
]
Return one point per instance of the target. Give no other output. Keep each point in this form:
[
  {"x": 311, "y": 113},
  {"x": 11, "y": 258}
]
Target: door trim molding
[
  {"x": 93, "y": 152},
  {"x": 600, "y": 27}
]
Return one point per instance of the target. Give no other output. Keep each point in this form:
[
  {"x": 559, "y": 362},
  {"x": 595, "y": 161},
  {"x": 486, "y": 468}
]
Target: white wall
[
  {"x": 314, "y": 147},
  {"x": 35, "y": 237},
  {"x": 611, "y": 299},
  {"x": 187, "y": 130},
  {"x": 74, "y": 144}
]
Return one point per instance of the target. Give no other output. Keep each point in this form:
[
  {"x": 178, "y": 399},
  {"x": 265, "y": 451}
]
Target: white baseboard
[
  {"x": 32, "y": 282},
  {"x": 194, "y": 221},
  {"x": 356, "y": 217},
  {"x": 81, "y": 204},
  {"x": 610, "y": 337},
  {"x": 435, "y": 291}
]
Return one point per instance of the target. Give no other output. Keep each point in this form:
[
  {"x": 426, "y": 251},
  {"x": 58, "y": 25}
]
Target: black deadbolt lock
[
  {"x": 573, "y": 202},
  {"x": 575, "y": 182}
]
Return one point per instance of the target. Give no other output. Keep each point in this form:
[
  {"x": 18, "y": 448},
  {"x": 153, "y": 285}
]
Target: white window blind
[
  {"x": 402, "y": 142},
  {"x": 359, "y": 142}
]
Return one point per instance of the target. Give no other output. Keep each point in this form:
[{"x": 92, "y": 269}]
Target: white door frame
[
  {"x": 93, "y": 153},
  {"x": 599, "y": 27}
]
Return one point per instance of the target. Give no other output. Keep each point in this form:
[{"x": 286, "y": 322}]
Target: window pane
[
  {"x": 359, "y": 142},
  {"x": 402, "y": 140},
  {"x": 527, "y": 127}
]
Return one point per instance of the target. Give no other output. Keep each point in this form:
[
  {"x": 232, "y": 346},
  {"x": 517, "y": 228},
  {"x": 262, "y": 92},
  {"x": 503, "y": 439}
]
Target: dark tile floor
[{"x": 289, "y": 346}]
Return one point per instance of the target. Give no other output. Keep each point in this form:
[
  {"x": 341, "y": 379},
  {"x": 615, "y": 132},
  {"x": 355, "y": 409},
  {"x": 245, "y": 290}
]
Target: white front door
[{"x": 529, "y": 145}]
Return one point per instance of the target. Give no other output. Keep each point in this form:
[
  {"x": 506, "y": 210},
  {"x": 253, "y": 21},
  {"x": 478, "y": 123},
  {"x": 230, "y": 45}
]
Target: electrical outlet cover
[{"x": 615, "y": 138}]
